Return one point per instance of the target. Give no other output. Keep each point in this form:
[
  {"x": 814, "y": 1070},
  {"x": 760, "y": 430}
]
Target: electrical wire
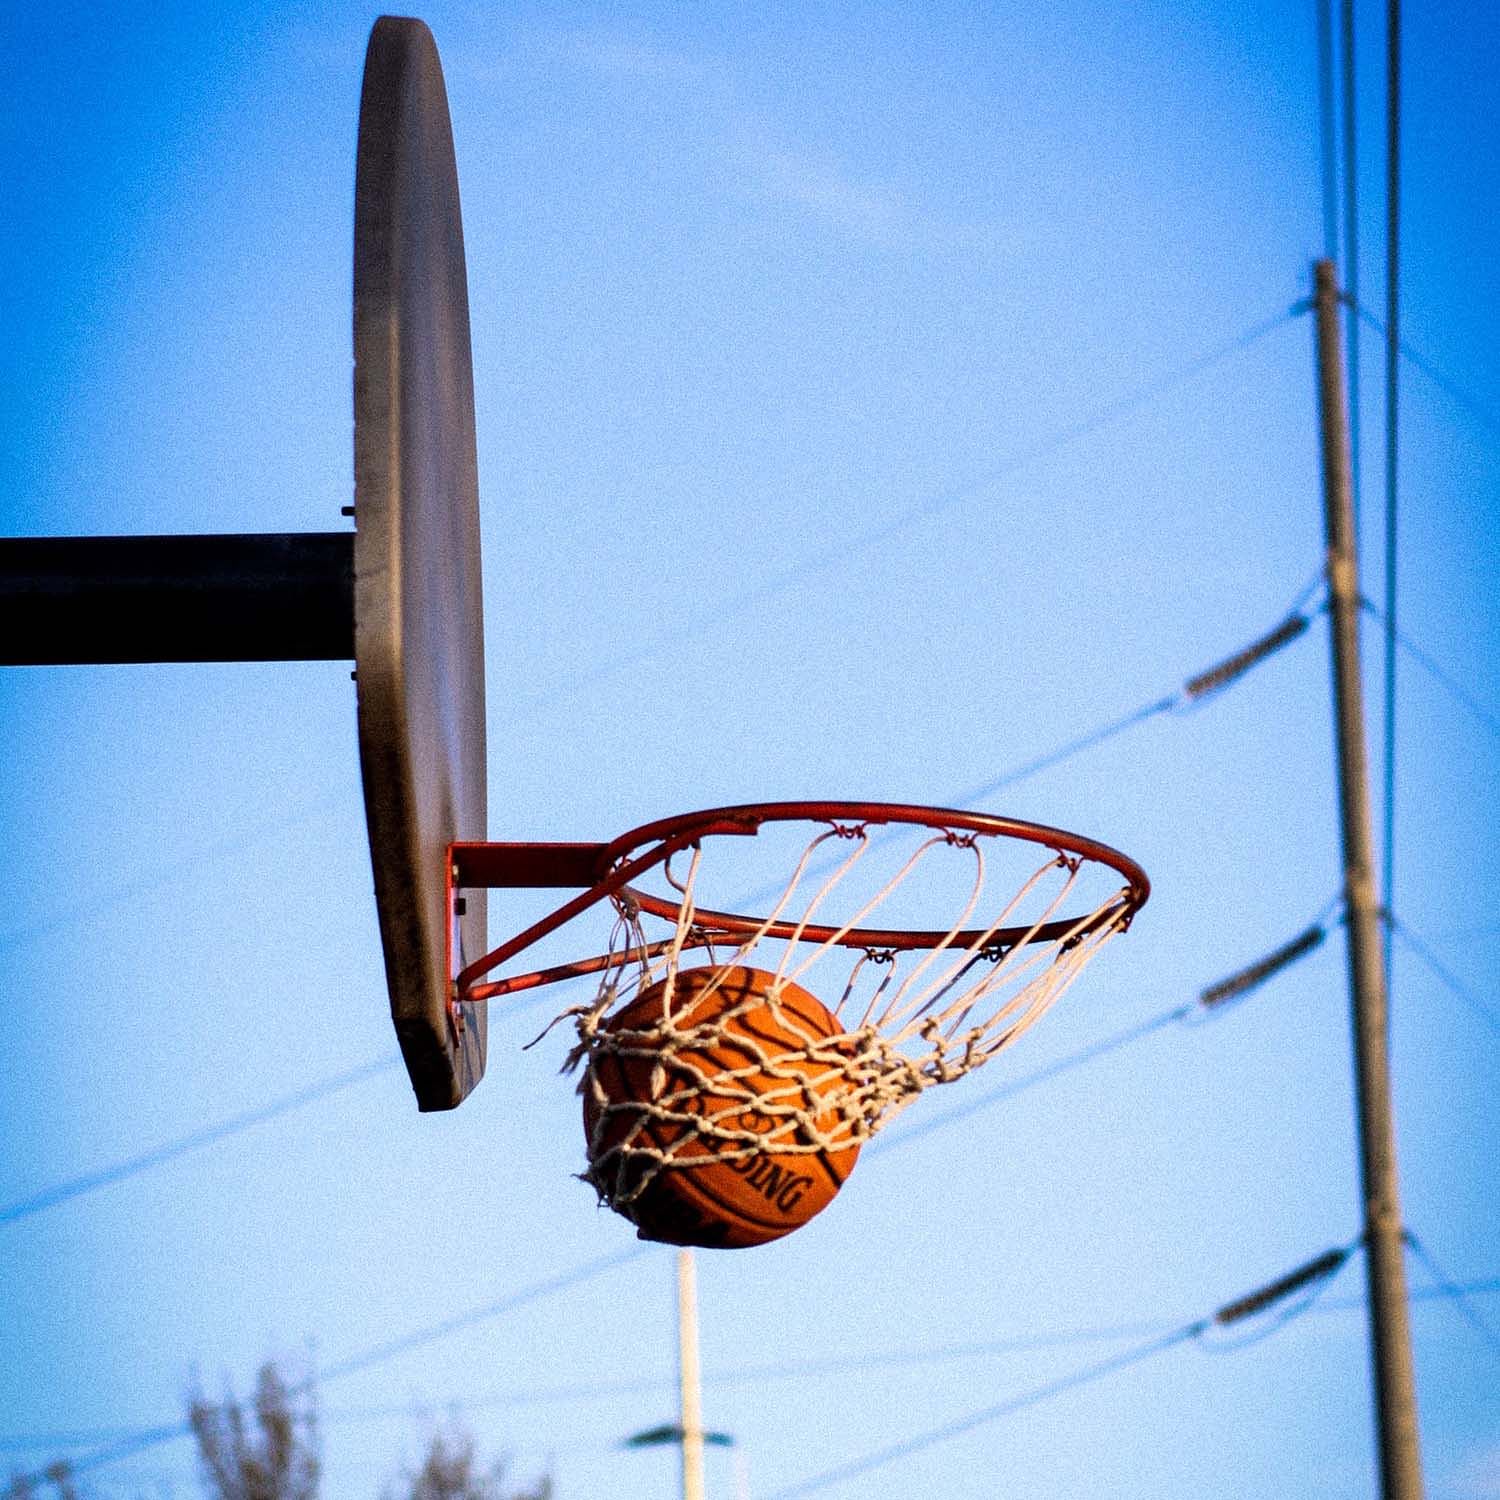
[
  {"x": 858, "y": 543},
  {"x": 208, "y": 858},
  {"x": 1210, "y": 997},
  {"x": 1465, "y": 933},
  {"x": 1392, "y": 389},
  {"x": 1210, "y": 1002},
  {"x": 209, "y": 1135},
  {"x": 381, "y": 1353},
  {"x": 1050, "y": 758},
  {"x": 1314, "y": 1273},
  {"x": 1444, "y": 383},
  {"x": 1351, "y": 244},
  {"x": 121, "y": 1171},
  {"x": 1090, "y": 1373},
  {"x": 1327, "y": 149},
  {"x": 147, "y": 1438},
  {"x": 1448, "y": 979},
  {"x": 886, "y": 1143},
  {"x": 1445, "y": 1287},
  {"x": 1445, "y": 680},
  {"x": 151, "y": 1437},
  {"x": 756, "y": 1374},
  {"x": 1485, "y": 1287},
  {"x": 1123, "y": 406},
  {"x": 761, "y": 1373},
  {"x": 1195, "y": 690}
]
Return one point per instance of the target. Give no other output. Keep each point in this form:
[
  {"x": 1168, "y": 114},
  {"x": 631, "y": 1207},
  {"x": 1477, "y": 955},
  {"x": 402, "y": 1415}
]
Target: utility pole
[
  {"x": 1390, "y": 1333},
  {"x": 691, "y": 1409}
]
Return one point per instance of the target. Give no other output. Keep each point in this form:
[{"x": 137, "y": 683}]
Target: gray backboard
[{"x": 419, "y": 628}]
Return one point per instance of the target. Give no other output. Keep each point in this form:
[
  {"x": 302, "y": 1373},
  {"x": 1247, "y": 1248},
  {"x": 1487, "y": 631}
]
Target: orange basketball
[{"x": 742, "y": 1067}]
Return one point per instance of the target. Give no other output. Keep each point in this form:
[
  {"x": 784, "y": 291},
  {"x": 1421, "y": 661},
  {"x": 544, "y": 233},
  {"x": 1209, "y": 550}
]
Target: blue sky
[{"x": 845, "y": 429}]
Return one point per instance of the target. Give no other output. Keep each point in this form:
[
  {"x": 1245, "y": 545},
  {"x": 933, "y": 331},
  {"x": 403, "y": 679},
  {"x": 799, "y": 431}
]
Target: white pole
[{"x": 688, "y": 1378}]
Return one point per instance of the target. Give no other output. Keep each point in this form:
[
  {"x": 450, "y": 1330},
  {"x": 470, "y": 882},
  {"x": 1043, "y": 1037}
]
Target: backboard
[
  {"x": 418, "y": 615},
  {"x": 403, "y": 593}
]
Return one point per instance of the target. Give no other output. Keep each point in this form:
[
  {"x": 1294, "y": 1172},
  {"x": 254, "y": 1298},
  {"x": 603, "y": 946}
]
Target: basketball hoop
[
  {"x": 700, "y": 1077},
  {"x": 913, "y": 1003}
]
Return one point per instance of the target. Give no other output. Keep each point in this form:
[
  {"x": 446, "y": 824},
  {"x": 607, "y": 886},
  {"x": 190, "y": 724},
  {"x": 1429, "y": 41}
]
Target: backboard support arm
[{"x": 278, "y": 596}]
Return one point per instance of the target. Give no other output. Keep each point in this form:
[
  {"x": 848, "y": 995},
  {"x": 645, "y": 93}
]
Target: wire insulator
[
  {"x": 1262, "y": 969},
  {"x": 1315, "y": 1270},
  {"x": 1237, "y": 665}
]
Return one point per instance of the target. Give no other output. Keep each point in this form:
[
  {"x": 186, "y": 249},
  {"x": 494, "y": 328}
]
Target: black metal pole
[
  {"x": 276, "y": 597},
  {"x": 1390, "y": 1333}
]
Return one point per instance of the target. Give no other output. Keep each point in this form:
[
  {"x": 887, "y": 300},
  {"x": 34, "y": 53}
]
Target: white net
[{"x": 705, "y": 1085}]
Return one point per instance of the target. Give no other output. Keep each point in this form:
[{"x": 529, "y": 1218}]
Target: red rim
[
  {"x": 687, "y": 829},
  {"x": 610, "y": 868}
]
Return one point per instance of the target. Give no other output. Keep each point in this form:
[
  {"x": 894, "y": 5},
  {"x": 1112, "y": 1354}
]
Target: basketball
[{"x": 721, "y": 1123}]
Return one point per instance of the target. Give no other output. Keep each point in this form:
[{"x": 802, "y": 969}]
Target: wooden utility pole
[{"x": 1390, "y": 1333}]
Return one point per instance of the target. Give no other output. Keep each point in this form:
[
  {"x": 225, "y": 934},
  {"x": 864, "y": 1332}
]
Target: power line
[
  {"x": 151, "y": 1437},
  {"x": 1016, "y": 1086},
  {"x": 1086, "y": 741},
  {"x": 1454, "y": 1293},
  {"x": 87, "y": 906},
  {"x": 1210, "y": 1001},
  {"x": 1392, "y": 388},
  {"x": 1212, "y": 997},
  {"x": 1448, "y": 979},
  {"x": 858, "y": 543},
  {"x": 1444, "y": 679},
  {"x": 1351, "y": 241},
  {"x": 1033, "y": 1397},
  {"x": 1123, "y": 406},
  {"x": 1315, "y": 1271},
  {"x": 1215, "y": 679},
  {"x": 1326, "y": 130},
  {"x": 794, "y": 1369},
  {"x": 1484, "y": 1287},
  {"x": 1464, "y": 933},
  {"x": 868, "y": 1359},
  {"x": 1196, "y": 690},
  {"x": 381, "y": 1353},
  {"x": 1444, "y": 383},
  {"x": 760, "y": 1373},
  {"x": 212, "y": 1134},
  {"x": 158, "y": 1156}
]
